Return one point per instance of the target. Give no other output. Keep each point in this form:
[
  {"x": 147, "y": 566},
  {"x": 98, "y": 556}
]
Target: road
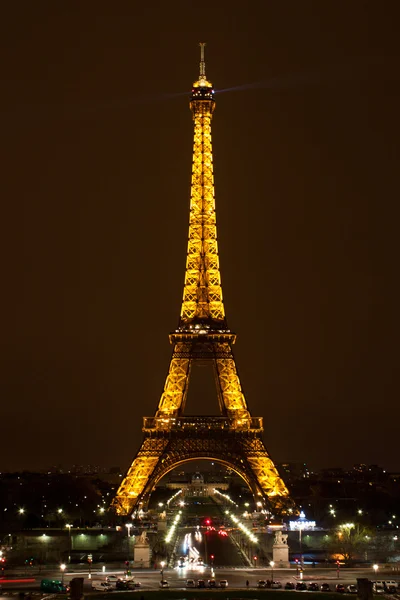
[{"x": 236, "y": 577}]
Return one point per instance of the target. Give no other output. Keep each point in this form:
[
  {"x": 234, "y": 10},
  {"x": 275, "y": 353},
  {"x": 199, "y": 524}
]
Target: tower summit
[
  {"x": 233, "y": 439},
  {"x": 202, "y": 295}
]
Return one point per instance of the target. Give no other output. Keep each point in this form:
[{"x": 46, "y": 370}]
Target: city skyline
[{"x": 97, "y": 174}]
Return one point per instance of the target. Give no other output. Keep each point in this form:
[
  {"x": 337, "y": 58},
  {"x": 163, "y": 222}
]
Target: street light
[
  {"x": 128, "y": 526},
  {"x": 69, "y": 526},
  {"x": 60, "y": 510},
  {"x": 162, "y": 570},
  {"x": 62, "y": 567},
  {"x": 21, "y": 511},
  {"x": 375, "y": 568},
  {"x": 272, "y": 564}
]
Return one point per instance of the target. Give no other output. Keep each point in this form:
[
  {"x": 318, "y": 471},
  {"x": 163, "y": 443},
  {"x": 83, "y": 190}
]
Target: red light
[
  {"x": 255, "y": 557},
  {"x": 212, "y": 556}
]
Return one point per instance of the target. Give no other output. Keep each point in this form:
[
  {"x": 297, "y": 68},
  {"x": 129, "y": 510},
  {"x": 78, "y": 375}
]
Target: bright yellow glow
[
  {"x": 202, "y": 294},
  {"x": 202, "y": 335}
]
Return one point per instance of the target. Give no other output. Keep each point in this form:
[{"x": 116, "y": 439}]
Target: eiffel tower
[{"x": 235, "y": 437}]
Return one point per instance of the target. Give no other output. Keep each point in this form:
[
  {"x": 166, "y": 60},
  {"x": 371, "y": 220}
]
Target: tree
[{"x": 349, "y": 541}]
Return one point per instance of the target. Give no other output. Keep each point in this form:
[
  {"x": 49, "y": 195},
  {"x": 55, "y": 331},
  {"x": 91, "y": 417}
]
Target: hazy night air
[{"x": 96, "y": 151}]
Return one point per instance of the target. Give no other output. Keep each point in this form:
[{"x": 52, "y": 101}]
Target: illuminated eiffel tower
[{"x": 233, "y": 438}]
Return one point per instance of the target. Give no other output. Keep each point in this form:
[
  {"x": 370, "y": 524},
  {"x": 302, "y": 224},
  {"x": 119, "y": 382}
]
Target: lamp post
[
  {"x": 272, "y": 564},
  {"x": 62, "y": 567},
  {"x": 162, "y": 570},
  {"x": 128, "y": 526},
  {"x": 375, "y": 568},
  {"x": 301, "y": 546},
  {"x": 69, "y": 526}
]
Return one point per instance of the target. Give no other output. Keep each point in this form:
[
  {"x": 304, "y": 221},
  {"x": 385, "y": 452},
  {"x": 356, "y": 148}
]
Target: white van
[{"x": 102, "y": 586}]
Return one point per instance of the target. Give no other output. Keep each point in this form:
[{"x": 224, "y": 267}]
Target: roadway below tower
[{"x": 205, "y": 537}]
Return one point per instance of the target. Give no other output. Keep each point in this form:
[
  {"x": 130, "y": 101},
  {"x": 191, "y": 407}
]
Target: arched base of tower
[{"x": 241, "y": 451}]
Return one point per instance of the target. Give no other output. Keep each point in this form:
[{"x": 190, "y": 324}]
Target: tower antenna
[{"x": 202, "y": 63}]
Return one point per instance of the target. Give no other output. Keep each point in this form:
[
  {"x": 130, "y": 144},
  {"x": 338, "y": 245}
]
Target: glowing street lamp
[
  {"x": 272, "y": 564},
  {"x": 21, "y": 511},
  {"x": 63, "y": 566},
  {"x": 375, "y": 568},
  {"x": 60, "y": 511}
]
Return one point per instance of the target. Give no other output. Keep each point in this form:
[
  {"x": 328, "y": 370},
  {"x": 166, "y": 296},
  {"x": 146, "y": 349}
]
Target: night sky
[{"x": 96, "y": 143}]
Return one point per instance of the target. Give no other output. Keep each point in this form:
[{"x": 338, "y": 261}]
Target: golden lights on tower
[{"x": 202, "y": 335}]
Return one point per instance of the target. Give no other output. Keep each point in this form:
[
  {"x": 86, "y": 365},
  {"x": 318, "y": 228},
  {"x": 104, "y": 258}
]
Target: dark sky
[{"x": 96, "y": 142}]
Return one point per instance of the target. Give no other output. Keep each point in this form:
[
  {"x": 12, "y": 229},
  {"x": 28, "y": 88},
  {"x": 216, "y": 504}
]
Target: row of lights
[
  {"x": 173, "y": 527},
  {"x": 245, "y": 529},
  {"x": 172, "y": 497},
  {"x": 226, "y": 497}
]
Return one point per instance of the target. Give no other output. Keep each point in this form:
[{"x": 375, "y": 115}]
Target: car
[
  {"x": 112, "y": 579},
  {"x": 132, "y": 585},
  {"x": 325, "y": 587},
  {"x": 212, "y": 583},
  {"x": 122, "y": 585},
  {"x": 352, "y": 589},
  {"x": 313, "y": 587},
  {"x": 53, "y": 586},
  {"x": 391, "y": 589},
  {"x": 378, "y": 587},
  {"x": 300, "y": 585},
  {"x": 164, "y": 583},
  {"x": 289, "y": 585},
  {"x": 223, "y": 583},
  {"x": 201, "y": 583},
  {"x": 276, "y": 585},
  {"x": 340, "y": 588},
  {"x": 102, "y": 586},
  {"x": 262, "y": 583},
  {"x": 388, "y": 583},
  {"x": 190, "y": 583}
]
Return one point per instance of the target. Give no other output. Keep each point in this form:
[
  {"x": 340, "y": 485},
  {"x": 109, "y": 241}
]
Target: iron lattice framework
[{"x": 235, "y": 438}]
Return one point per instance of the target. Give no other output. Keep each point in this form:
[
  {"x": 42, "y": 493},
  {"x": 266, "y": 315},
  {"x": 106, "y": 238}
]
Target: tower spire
[{"x": 202, "y": 62}]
